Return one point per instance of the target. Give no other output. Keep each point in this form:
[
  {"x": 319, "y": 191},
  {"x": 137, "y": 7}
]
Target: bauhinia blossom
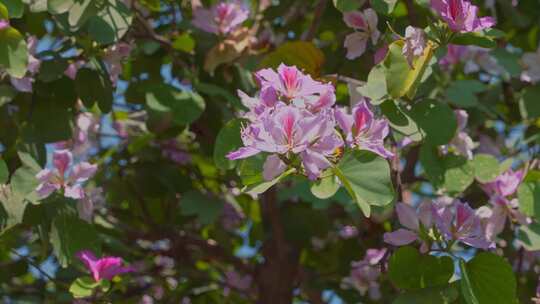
[
  {"x": 113, "y": 58},
  {"x": 365, "y": 274},
  {"x": 462, "y": 143},
  {"x": 291, "y": 116},
  {"x": 461, "y": 16},
  {"x": 365, "y": 24},
  {"x": 459, "y": 222},
  {"x": 60, "y": 179},
  {"x": 503, "y": 208},
  {"x": 362, "y": 130},
  {"x": 415, "y": 43},
  {"x": 288, "y": 129},
  {"x": 417, "y": 224},
  {"x": 4, "y": 24},
  {"x": 221, "y": 18},
  {"x": 291, "y": 84},
  {"x": 531, "y": 67},
  {"x": 454, "y": 55},
  {"x": 103, "y": 268}
]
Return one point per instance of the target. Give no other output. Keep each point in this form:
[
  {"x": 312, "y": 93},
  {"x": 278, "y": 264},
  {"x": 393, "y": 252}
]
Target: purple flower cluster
[
  {"x": 103, "y": 268},
  {"x": 61, "y": 178},
  {"x": 293, "y": 117},
  {"x": 365, "y": 274},
  {"x": 221, "y": 18},
  {"x": 461, "y": 16},
  {"x": 444, "y": 222},
  {"x": 502, "y": 207}
]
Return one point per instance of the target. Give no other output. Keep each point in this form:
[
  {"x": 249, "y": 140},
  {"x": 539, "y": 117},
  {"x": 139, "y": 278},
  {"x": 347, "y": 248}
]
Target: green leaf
[
  {"x": 264, "y": 185},
  {"x": 207, "y": 209},
  {"x": 28, "y": 161},
  {"x": 347, "y": 5},
  {"x": 227, "y": 140},
  {"x": 528, "y": 104},
  {"x": 4, "y": 172},
  {"x": 401, "y": 79},
  {"x": 12, "y": 208},
  {"x": 474, "y": 38},
  {"x": 508, "y": 61},
  {"x": 13, "y": 52},
  {"x": 57, "y": 7},
  {"x": 92, "y": 86},
  {"x": 7, "y": 93},
  {"x": 24, "y": 181},
  {"x": 51, "y": 70},
  {"x": 80, "y": 12},
  {"x": 325, "y": 187},
  {"x": 385, "y": 7},
  {"x": 440, "y": 295},
  {"x": 529, "y": 198},
  {"x": 458, "y": 175},
  {"x": 304, "y": 55},
  {"x": 180, "y": 107},
  {"x": 111, "y": 22},
  {"x": 15, "y": 8},
  {"x": 83, "y": 287},
  {"x": 428, "y": 115},
  {"x": 53, "y": 99},
  {"x": 401, "y": 121},
  {"x": 462, "y": 93},
  {"x": 366, "y": 177},
  {"x": 410, "y": 270},
  {"x": 69, "y": 235},
  {"x": 184, "y": 43},
  {"x": 488, "y": 279},
  {"x": 250, "y": 169},
  {"x": 375, "y": 88},
  {"x": 529, "y": 237},
  {"x": 432, "y": 164},
  {"x": 486, "y": 168}
]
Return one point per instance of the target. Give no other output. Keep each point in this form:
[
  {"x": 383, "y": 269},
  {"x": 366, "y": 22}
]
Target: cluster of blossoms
[
  {"x": 294, "y": 118},
  {"x": 503, "y": 207},
  {"x": 222, "y": 18},
  {"x": 62, "y": 178},
  {"x": 440, "y": 223},
  {"x": 461, "y": 16},
  {"x": 104, "y": 268},
  {"x": 365, "y": 274}
]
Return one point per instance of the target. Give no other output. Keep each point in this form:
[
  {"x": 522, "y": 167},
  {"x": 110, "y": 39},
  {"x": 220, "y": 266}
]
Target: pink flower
[
  {"x": 87, "y": 205},
  {"x": 348, "y": 232},
  {"x": 291, "y": 84},
  {"x": 288, "y": 129},
  {"x": 238, "y": 281},
  {"x": 459, "y": 222},
  {"x": 462, "y": 144},
  {"x": 415, "y": 221},
  {"x": 505, "y": 184},
  {"x": 221, "y": 18},
  {"x": 380, "y": 54},
  {"x": 73, "y": 68},
  {"x": 415, "y": 42},
  {"x": 461, "y": 15},
  {"x": 362, "y": 130},
  {"x": 104, "y": 268},
  {"x": 4, "y": 24},
  {"x": 454, "y": 55},
  {"x": 365, "y": 23},
  {"x": 59, "y": 178},
  {"x": 365, "y": 274},
  {"x": 531, "y": 67},
  {"x": 113, "y": 58},
  {"x": 495, "y": 217}
]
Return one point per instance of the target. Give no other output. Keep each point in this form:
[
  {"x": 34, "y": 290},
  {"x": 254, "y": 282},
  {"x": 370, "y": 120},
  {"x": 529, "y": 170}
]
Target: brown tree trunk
[{"x": 277, "y": 274}]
